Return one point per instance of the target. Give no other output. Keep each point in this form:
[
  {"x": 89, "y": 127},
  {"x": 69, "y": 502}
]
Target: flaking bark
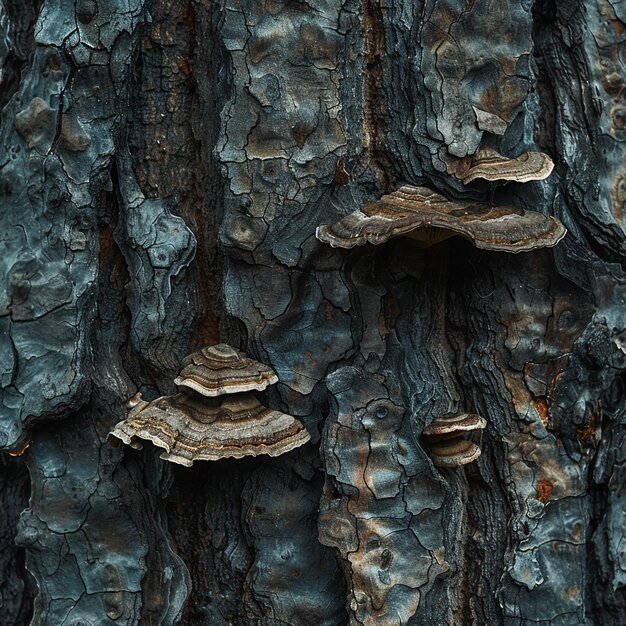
[{"x": 164, "y": 166}]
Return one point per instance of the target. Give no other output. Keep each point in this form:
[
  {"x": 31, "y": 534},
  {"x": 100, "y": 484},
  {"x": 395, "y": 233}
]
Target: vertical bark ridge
[{"x": 280, "y": 146}]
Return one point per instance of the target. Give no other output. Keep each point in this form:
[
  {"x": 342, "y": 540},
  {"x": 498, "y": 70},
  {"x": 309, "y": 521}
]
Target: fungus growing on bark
[
  {"x": 193, "y": 428},
  {"x": 454, "y": 452},
  {"x": 136, "y": 400},
  {"x": 490, "y": 165},
  {"x": 449, "y": 424},
  {"x": 429, "y": 217},
  {"x": 446, "y": 442},
  {"x": 199, "y": 425},
  {"x": 221, "y": 369}
]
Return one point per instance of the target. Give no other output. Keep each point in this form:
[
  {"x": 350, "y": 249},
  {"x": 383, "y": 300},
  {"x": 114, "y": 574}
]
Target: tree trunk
[{"x": 164, "y": 167}]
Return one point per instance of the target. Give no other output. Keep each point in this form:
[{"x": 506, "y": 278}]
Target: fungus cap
[
  {"x": 454, "y": 452},
  {"x": 221, "y": 369},
  {"x": 193, "y": 428},
  {"x": 411, "y": 210},
  {"x": 490, "y": 165},
  {"x": 463, "y": 422}
]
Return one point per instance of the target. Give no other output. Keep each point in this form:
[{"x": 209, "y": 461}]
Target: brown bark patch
[{"x": 544, "y": 489}]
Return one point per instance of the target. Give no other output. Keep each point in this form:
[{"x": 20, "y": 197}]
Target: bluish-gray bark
[{"x": 163, "y": 168}]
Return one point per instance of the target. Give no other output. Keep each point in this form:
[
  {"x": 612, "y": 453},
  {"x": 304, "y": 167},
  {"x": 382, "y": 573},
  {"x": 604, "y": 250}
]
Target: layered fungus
[
  {"x": 447, "y": 442},
  {"x": 215, "y": 415},
  {"x": 221, "y": 369},
  {"x": 429, "y": 217},
  {"x": 490, "y": 165}
]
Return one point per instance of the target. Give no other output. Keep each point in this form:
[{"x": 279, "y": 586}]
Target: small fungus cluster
[
  {"x": 215, "y": 414},
  {"x": 446, "y": 438}
]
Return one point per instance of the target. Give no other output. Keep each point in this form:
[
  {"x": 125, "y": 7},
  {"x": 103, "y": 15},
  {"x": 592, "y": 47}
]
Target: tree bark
[{"x": 163, "y": 168}]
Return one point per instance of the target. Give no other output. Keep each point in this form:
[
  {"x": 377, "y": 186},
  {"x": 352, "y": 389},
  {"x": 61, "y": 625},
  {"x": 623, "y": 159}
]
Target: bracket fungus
[
  {"x": 212, "y": 417},
  {"x": 446, "y": 440},
  {"x": 221, "y": 369},
  {"x": 429, "y": 217},
  {"x": 490, "y": 165}
]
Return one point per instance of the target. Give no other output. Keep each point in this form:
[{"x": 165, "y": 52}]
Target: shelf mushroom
[
  {"x": 445, "y": 437},
  {"x": 215, "y": 415},
  {"x": 490, "y": 165},
  {"x": 429, "y": 217},
  {"x": 221, "y": 369}
]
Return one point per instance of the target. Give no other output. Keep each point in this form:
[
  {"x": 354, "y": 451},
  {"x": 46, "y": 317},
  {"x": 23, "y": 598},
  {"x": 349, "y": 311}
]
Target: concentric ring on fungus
[
  {"x": 446, "y": 442},
  {"x": 429, "y": 218},
  {"x": 192, "y": 429},
  {"x": 490, "y": 165},
  {"x": 221, "y": 369},
  {"x": 215, "y": 415}
]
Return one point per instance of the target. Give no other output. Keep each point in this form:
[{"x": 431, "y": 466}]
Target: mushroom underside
[
  {"x": 448, "y": 439},
  {"x": 454, "y": 452}
]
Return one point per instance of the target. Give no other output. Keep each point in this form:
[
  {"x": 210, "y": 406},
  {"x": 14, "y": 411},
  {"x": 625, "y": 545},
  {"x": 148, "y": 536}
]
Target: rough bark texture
[{"x": 163, "y": 167}]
